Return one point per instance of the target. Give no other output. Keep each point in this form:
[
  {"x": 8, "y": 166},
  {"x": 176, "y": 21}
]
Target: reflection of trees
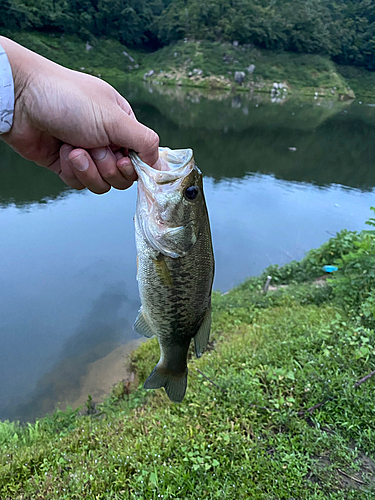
[
  {"x": 232, "y": 135},
  {"x": 339, "y": 149},
  {"x": 22, "y": 182},
  {"x": 219, "y": 109}
]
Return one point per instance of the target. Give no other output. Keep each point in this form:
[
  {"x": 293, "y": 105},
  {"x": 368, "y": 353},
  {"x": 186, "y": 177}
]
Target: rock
[
  {"x": 129, "y": 56},
  {"x": 175, "y": 54},
  {"x": 292, "y": 149},
  {"x": 197, "y": 71},
  {"x": 239, "y": 77},
  {"x": 82, "y": 69},
  {"x": 149, "y": 73},
  {"x": 88, "y": 46},
  {"x": 200, "y": 72},
  {"x": 251, "y": 68},
  {"x": 130, "y": 67},
  {"x": 235, "y": 43},
  {"x": 190, "y": 74}
]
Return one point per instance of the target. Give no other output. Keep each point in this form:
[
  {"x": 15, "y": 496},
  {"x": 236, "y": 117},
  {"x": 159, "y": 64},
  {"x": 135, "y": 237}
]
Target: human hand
[{"x": 74, "y": 124}]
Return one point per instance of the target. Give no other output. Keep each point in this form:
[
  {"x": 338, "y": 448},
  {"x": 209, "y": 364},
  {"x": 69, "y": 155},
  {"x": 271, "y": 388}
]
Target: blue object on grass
[{"x": 330, "y": 269}]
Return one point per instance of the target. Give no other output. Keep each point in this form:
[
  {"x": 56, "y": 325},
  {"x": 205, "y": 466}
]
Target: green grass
[
  {"x": 360, "y": 80},
  {"x": 106, "y": 57},
  {"x": 301, "y": 73},
  {"x": 244, "y": 429}
]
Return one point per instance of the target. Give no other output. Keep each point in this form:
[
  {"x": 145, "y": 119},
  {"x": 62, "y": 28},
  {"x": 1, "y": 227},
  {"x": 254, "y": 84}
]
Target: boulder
[
  {"x": 251, "y": 68},
  {"x": 149, "y": 73},
  {"x": 239, "y": 77}
]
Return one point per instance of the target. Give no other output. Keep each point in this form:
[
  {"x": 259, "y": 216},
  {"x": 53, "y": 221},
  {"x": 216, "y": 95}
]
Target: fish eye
[{"x": 191, "y": 192}]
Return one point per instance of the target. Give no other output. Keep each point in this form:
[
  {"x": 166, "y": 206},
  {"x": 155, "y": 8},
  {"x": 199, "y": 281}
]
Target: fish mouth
[{"x": 174, "y": 164}]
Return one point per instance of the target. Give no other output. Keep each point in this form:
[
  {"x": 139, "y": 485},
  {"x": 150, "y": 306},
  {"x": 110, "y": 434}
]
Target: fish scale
[{"x": 175, "y": 264}]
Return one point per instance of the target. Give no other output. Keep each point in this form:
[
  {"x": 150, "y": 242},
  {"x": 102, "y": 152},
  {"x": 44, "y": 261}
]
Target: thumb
[{"x": 129, "y": 133}]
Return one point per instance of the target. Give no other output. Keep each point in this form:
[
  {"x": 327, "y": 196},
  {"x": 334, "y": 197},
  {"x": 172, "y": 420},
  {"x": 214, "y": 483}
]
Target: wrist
[{"x": 19, "y": 62}]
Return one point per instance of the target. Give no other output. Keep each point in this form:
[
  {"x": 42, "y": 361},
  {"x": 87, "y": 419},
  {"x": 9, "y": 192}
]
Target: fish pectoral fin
[
  {"x": 203, "y": 335},
  {"x": 141, "y": 326},
  {"x": 174, "y": 384},
  {"x": 163, "y": 271}
]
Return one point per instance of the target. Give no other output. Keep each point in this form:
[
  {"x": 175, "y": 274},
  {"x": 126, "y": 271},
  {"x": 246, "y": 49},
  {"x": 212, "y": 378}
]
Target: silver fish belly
[{"x": 175, "y": 265}]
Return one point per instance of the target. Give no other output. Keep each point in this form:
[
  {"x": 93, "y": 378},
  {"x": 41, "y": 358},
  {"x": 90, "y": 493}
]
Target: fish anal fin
[
  {"x": 203, "y": 335},
  {"x": 174, "y": 384},
  {"x": 141, "y": 325}
]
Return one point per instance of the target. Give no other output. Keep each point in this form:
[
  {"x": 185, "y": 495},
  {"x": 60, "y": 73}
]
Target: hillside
[{"x": 204, "y": 64}]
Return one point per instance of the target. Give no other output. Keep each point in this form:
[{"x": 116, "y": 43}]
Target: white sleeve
[{"x": 6, "y": 93}]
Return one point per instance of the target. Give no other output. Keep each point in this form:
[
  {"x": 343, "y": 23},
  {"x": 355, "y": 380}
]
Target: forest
[{"x": 343, "y": 29}]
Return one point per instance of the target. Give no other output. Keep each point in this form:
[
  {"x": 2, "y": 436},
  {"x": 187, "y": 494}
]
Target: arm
[
  {"x": 74, "y": 124},
  {"x": 6, "y": 93}
]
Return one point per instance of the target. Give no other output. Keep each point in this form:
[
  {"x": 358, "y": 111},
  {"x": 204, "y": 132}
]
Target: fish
[{"x": 175, "y": 262}]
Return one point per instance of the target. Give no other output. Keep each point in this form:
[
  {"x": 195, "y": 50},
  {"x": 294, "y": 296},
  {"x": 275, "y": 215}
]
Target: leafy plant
[{"x": 354, "y": 283}]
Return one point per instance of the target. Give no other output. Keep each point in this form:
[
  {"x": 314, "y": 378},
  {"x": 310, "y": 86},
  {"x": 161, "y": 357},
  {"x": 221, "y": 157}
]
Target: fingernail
[
  {"x": 124, "y": 162},
  {"x": 65, "y": 151},
  {"x": 99, "y": 153},
  {"x": 81, "y": 162}
]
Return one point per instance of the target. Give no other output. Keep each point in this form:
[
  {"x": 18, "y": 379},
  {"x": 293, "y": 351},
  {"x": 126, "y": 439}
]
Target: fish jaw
[{"x": 163, "y": 214}]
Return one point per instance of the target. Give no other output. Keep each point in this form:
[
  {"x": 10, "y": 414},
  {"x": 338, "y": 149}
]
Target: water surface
[{"x": 281, "y": 178}]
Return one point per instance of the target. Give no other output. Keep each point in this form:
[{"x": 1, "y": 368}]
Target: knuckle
[
  {"x": 110, "y": 175},
  {"x": 153, "y": 139}
]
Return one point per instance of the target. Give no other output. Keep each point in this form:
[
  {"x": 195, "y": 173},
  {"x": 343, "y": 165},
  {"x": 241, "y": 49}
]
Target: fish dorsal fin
[
  {"x": 201, "y": 338},
  {"x": 141, "y": 326}
]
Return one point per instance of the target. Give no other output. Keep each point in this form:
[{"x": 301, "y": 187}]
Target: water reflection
[
  {"x": 23, "y": 183},
  {"x": 247, "y": 133},
  {"x": 100, "y": 332}
]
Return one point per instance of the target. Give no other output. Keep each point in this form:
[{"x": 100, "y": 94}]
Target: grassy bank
[
  {"x": 204, "y": 64},
  {"x": 271, "y": 411}
]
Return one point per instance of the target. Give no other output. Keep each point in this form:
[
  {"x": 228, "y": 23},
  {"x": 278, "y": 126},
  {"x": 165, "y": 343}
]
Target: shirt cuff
[{"x": 6, "y": 93}]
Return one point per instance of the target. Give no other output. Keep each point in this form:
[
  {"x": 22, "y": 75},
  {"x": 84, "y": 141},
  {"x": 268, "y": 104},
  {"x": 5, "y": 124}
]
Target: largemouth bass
[{"x": 175, "y": 264}]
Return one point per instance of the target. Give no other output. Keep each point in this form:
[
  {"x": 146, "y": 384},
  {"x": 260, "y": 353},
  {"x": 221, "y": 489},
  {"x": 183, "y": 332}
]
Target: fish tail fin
[{"x": 174, "y": 384}]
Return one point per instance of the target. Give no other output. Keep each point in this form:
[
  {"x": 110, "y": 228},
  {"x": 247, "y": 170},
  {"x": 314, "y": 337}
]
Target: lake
[{"x": 280, "y": 178}]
